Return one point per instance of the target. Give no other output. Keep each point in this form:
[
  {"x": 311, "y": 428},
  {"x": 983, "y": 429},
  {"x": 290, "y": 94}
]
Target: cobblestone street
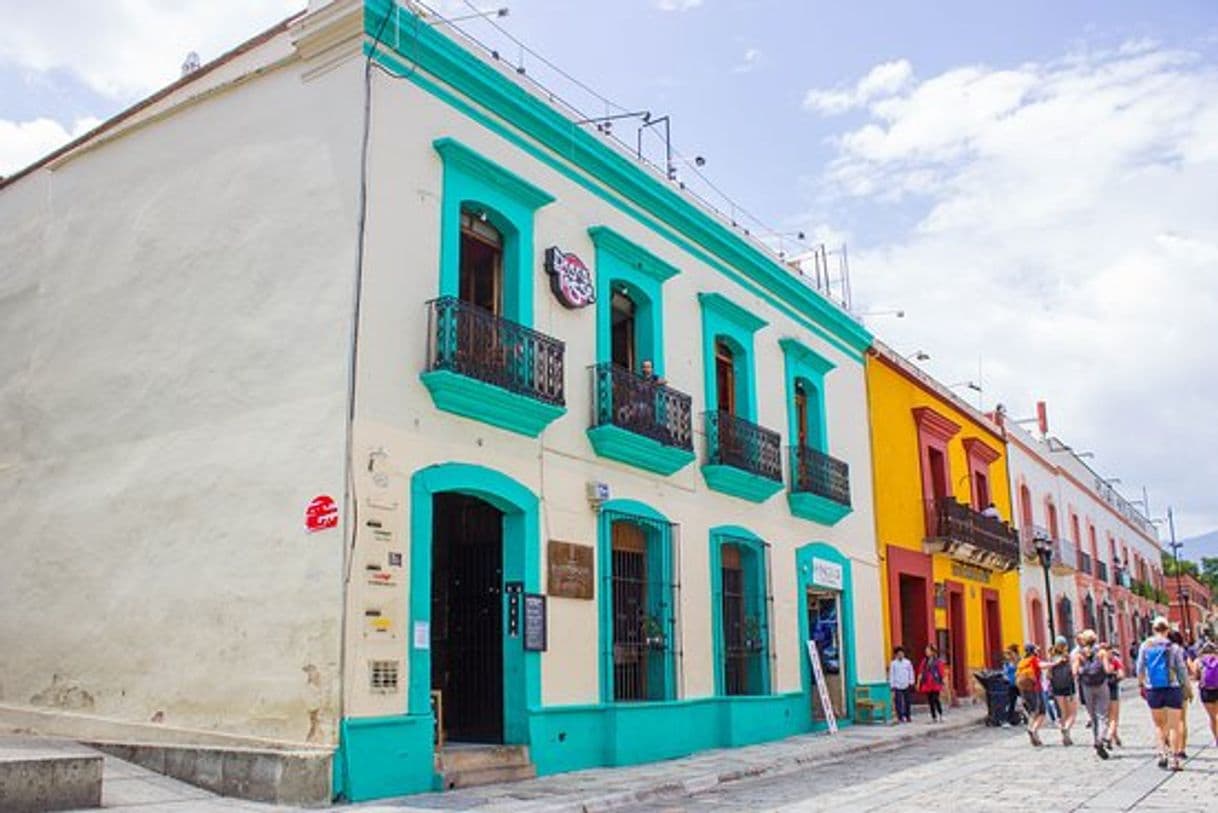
[{"x": 988, "y": 769}]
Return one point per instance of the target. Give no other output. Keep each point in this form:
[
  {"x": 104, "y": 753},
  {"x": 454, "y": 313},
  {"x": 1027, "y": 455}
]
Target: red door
[{"x": 957, "y": 630}]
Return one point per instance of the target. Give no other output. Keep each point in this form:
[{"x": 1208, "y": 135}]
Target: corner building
[
  {"x": 951, "y": 575},
  {"x": 535, "y": 544}
]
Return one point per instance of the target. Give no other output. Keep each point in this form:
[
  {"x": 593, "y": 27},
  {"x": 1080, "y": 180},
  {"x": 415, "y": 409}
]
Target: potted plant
[{"x": 653, "y": 632}]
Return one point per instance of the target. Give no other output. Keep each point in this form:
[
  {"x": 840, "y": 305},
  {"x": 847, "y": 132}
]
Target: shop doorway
[
  {"x": 914, "y": 623},
  {"x": 467, "y": 617},
  {"x": 992, "y": 617},
  {"x": 825, "y": 628},
  {"x": 959, "y": 639}
]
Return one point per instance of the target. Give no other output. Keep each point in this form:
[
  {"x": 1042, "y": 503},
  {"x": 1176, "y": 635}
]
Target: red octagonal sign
[{"x": 322, "y": 514}]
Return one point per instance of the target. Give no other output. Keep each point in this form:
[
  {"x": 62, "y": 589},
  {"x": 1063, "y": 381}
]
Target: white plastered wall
[
  {"x": 174, "y": 313},
  {"x": 396, "y": 414}
]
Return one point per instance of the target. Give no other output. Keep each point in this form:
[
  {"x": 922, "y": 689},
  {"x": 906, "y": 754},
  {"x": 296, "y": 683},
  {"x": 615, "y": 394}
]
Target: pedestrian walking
[
  {"x": 1186, "y": 692},
  {"x": 1094, "y": 667},
  {"x": 1207, "y": 683},
  {"x": 1114, "y": 694},
  {"x": 901, "y": 681},
  {"x": 1062, "y": 685},
  {"x": 1161, "y": 674},
  {"x": 1027, "y": 680},
  {"x": 930, "y": 682}
]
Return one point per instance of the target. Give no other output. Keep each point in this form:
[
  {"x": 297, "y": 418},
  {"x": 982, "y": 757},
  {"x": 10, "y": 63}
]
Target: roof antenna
[{"x": 191, "y": 64}]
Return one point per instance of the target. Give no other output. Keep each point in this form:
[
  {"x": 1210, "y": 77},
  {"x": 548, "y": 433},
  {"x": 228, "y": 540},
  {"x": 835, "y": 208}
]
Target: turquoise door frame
[
  {"x": 521, "y": 563},
  {"x": 754, "y": 561},
  {"x": 804, "y": 576}
]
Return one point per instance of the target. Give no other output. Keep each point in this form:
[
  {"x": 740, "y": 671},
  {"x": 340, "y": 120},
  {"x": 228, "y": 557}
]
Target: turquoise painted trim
[
  {"x": 485, "y": 402},
  {"x": 521, "y": 562},
  {"x": 803, "y": 570},
  {"x": 880, "y": 691},
  {"x": 740, "y": 483},
  {"x": 622, "y": 264},
  {"x": 569, "y": 738},
  {"x": 419, "y": 45},
  {"x": 384, "y": 756},
  {"x": 816, "y": 508},
  {"x": 753, "y": 564},
  {"x": 621, "y": 444},
  {"x": 509, "y": 202},
  {"x": 724, "y": 319},
  {"x": 660, "y": 572},
  {"x": 804, "y": 363}
]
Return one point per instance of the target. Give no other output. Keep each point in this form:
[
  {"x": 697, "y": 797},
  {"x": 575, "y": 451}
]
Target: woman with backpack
[
  {"x": 1114, "y": 695},
  {"x": 1093, "y": 669},
  {"x": 1162, "y": 675},
  {"x": 1061, "y": 684},
  {"x": 930, "y": 682},
  {"x": 1027, "y": 680},
  {"x": 1207, "y": 682},
  {"x": 1186, "y": 691}
]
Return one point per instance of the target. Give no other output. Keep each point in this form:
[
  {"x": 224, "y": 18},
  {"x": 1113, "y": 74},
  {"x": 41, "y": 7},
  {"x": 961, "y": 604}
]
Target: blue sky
[{"x": 1033, "y": 183}]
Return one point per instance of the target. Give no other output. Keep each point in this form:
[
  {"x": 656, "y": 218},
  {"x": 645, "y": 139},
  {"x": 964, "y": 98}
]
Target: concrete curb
[{"x": 780, "y": 767}]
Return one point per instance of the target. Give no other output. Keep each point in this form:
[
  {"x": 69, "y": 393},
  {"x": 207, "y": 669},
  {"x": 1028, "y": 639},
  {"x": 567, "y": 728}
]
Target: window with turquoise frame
[
  {"x": 639, "y": 626},
  {"x": 820, "y": 483},
  {"x": 741, "y": 609}
]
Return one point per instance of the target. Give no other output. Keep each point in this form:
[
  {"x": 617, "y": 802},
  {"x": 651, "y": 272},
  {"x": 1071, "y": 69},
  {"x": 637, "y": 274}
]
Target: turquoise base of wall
[
  {"x": 484, "y": 402},
  {"x": 393, "y": 756},
  {"x": 816, "y": 508},
  {"x": 621, "y": 444},
  {"x": 384, "y": 756},
  {"x": 740, "y": 483},
  {"x": 882, "y": 692}
]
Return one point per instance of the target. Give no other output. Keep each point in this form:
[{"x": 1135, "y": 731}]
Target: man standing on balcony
[
  {"x": 649, "y": 374},
  {"x": 991, "y": 511}
]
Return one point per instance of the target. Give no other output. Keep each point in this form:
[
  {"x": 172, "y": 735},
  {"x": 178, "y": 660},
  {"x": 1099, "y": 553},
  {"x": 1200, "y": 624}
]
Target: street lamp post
[
  {"x": 1175, "y": 552},
  {"x": 1044, "y": 552},
  {"x": 1188, "y": 625}
]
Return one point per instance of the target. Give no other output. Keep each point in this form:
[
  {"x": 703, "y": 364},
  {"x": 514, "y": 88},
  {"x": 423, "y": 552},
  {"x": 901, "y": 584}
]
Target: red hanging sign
[{"x": 322, "y": 514}]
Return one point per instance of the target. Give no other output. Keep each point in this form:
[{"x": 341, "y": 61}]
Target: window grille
[{"x": 746, "y": 603}]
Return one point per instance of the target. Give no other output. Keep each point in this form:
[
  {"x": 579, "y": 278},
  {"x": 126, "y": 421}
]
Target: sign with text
[
  {"x": 818, "y": 674},
  {"x": 534, "y": 622},
  {"x": 827, "y": 574},
  {"x": 570, "y": 280},
  {"x": 569, "y": 571}
]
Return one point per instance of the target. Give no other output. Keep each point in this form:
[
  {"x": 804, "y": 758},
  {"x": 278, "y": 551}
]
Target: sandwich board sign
[{"x": 822, "y": 689}]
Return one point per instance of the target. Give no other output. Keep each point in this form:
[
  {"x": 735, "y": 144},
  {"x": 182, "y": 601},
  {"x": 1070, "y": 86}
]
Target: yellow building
[{"x": 942, "y": 506}]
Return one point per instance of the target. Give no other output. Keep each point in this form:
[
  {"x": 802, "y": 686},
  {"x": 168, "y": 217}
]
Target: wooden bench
[{"x": 868, "y": 709}]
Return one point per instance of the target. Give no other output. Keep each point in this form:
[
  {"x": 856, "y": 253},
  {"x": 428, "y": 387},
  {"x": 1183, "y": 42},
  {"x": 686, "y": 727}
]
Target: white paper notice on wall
[
  {"x": 827, "y": 574},
  {"x": 819, "y": 675},
  {"x": 422, "y": 635}
]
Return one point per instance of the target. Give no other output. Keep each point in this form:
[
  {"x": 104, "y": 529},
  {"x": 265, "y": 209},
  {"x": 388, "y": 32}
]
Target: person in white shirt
[
  {"x": 991, "y": 511},
  {"x": 901, "y": 680}
]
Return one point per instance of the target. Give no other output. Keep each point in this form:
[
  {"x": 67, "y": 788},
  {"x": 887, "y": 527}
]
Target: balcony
[
  {"x": 1101, "y": 571},
  {"x": 492, "y": 369},
  {"x": 969, "y": 536},
  {"x": 1084, "y": 562},
  {"x": 742, "y": 458},
  {"x": 640, "y": 422},
  {"x": 820, "y": 486},
  {"x": 1065, "y": 555}
]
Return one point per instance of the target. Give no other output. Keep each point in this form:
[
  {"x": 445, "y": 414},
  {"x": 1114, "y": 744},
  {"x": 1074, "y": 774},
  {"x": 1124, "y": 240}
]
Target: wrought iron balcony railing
[
  {"x": 1101, "y": 570},
  {"x": 628, "y": 400},
  {"x": 1084, "y": 562},
  {"x": 733, "y": 441},
  {"x": 474, "y": 342},
  {"x": 817, "y": 473},
  {"x": 954, "y": 525},
  {"x": 1065, "y": 556}
]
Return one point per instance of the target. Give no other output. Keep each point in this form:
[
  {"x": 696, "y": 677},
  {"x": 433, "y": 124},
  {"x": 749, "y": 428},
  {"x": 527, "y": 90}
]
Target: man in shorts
[{"x": 1162, "y": 675}]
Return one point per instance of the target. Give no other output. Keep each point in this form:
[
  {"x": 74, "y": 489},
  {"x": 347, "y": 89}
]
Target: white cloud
[
  {"x": 749, "y": 61},
  {"x": 125, "y": 49},
  {"x": 882, "y": 81},
  {"x": 24, "y": 142},
  {"x": 677, "y": 5},
  {"x": 1065, "y": 217}
]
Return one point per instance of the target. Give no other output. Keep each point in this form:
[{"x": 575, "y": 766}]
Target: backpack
[
  {"x": 1157, "y": 657},
  {"x": 1025, "y": 675},
  {"x": 1092, "y": 673},
  {"x": 1209, "y": 672},
  {"x": 1060, "y": 678}
]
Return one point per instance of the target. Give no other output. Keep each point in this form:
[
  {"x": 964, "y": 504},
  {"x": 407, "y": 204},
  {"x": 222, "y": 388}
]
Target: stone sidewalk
[{"x": 604, "y": 789}]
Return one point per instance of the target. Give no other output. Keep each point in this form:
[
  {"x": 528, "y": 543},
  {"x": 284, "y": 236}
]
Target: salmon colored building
[{"x": 950, "y": 565}]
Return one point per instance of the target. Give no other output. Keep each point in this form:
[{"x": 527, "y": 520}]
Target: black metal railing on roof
[{"x": 471, "y": 341}]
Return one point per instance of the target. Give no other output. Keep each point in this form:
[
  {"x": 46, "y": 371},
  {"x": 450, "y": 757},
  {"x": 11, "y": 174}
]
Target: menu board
[{"x": 534, "y": 622}]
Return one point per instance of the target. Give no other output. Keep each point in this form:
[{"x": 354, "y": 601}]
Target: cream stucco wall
[
  {"x": 174, "y": 313},
  {"x": 396, "y": 414}
]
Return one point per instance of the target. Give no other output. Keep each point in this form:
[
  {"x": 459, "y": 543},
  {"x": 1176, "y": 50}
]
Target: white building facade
[
  {"x": 1105, "y": 572},
  {"x": 493, "y": 437}
]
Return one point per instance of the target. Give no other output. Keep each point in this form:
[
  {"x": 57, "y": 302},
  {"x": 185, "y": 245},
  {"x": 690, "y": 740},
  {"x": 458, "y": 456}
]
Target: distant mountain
[{"x": 1196, "y": 547}]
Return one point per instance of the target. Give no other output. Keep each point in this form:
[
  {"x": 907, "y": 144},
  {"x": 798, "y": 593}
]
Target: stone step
[
  {"x": 481, "y": 757},
  {"x": 39, "y": 774},
  {"x": 488, "y": 776}
]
